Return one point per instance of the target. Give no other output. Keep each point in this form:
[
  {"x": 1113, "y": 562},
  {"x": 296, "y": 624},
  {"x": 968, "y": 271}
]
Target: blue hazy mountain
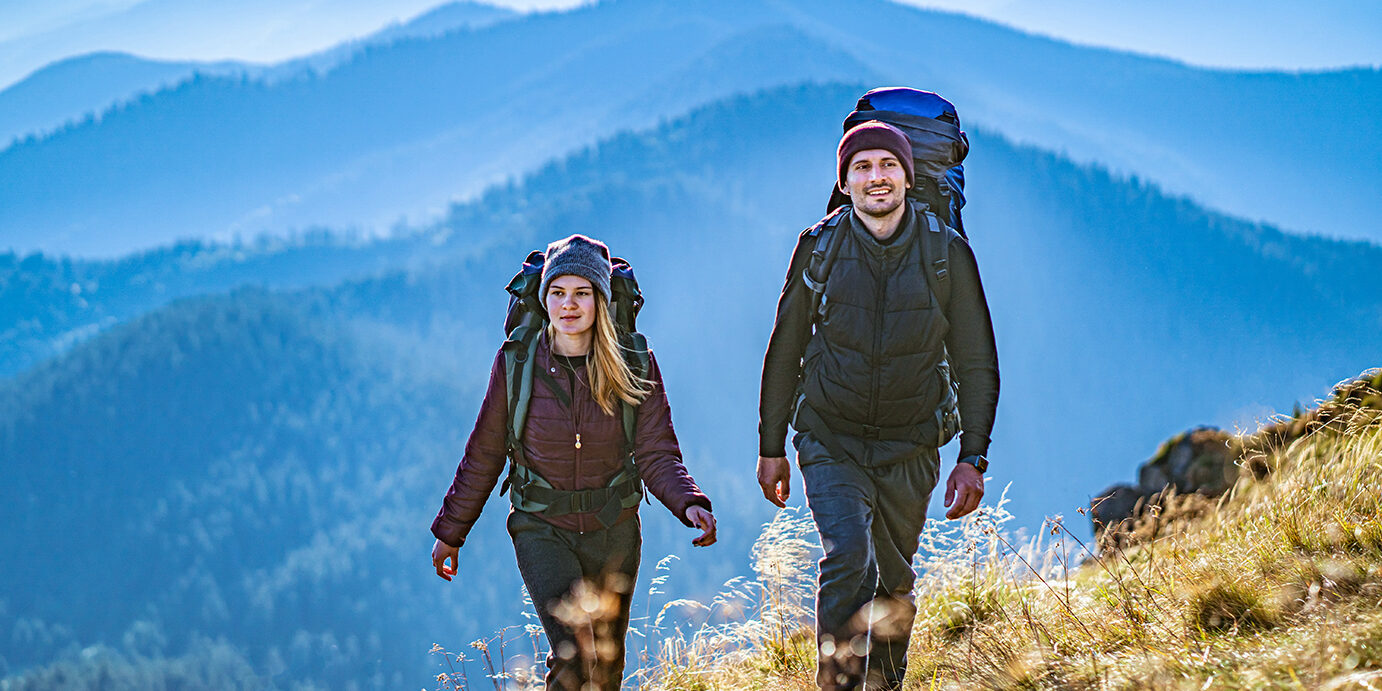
[
  {"x": 49, "y": 304},
  {"x": 402, "y": 130},
  {"x": 445, "y": 18},
  {"x": 281, "y": 435},
  {"x": 433, "y": 23},
  {"x": 36, "y": 34},
  {"x": 263, "y": 463},
  {"x": 71, "y": 89},
  {"x": 78, "y": 87}
]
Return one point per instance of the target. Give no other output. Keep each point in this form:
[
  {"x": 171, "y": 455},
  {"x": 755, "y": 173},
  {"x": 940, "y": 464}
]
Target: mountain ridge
[
  {"x": 86, "y": 86},
  {"x": 365, "y": 145}
]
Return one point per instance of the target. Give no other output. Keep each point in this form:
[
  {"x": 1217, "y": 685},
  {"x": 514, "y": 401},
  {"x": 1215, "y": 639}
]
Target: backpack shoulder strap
[
  {"x": 935, "y": 238},
  {"x": 518, "y": 372},
  {"x": 640, "y": 362},
  {"x": 828, "y": 236}
]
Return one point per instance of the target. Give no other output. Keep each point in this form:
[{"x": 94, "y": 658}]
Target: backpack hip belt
[{"x": 531, "y": 492}]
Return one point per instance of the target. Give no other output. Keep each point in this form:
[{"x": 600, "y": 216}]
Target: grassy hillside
[{"x": 1276, "y": 585}]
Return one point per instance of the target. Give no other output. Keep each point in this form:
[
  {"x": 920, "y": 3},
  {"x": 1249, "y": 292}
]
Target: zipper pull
[{"x": 578, "y": 440}]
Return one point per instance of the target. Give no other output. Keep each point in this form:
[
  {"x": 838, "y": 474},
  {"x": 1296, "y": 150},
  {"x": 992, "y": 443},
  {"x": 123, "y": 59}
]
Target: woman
[{"x": 574, "y": 438}]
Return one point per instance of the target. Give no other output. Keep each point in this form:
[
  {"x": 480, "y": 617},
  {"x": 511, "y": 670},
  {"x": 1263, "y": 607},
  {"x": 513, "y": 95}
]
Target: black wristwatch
[{"x": 979, "y": 462}]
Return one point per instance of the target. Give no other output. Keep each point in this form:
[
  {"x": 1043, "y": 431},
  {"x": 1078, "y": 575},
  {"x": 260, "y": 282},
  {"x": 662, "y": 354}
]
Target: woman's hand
[
  {"x": 442, "y": 551},
  {"x": 703, "y": 519}
]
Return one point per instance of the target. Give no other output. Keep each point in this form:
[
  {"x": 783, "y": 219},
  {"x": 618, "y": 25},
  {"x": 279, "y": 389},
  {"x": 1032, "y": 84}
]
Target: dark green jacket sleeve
[
  {"x": 973, "y": 353},
  {"x": 782, "y": 364}
]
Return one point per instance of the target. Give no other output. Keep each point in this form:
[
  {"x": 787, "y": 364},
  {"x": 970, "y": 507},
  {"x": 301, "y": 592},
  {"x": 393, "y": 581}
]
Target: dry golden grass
[
  {"x": 1275, "y": 585},
  {"x": 1278, "y": 584}
]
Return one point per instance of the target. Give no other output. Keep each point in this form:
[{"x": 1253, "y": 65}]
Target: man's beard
[{"x": 875, "y": 211}]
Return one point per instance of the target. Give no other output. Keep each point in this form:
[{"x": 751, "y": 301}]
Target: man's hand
[
  {"x": 775, "y": 477},
  {"x": 703, "y": 519},
  {"x": 964, "y": 490},
  {"x": 440, "y": 553}
]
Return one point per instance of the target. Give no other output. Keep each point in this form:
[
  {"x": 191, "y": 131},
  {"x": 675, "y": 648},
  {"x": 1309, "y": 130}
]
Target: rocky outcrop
[
  {"x": 1202, "y": 461},
  {"x": 1189, "y": 471}
]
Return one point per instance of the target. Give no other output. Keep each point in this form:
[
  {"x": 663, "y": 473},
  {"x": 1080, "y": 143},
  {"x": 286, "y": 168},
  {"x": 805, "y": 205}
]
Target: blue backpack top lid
[
  {"x": 902, "y": 99},
  {"x": 939, "y": 146},
  {"x": 928, "y": 120}
]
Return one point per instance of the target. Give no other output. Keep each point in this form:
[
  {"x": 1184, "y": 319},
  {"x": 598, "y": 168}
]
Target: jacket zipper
[
  {"x": 880, "y": 280},
  {"x": 881, "y": 306},
  {"x": 576, "y": 431}
]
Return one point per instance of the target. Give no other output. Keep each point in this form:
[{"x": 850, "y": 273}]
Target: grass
[
  {"x": 1275, "y": 585},
  {"x": 760, "y": 623}
]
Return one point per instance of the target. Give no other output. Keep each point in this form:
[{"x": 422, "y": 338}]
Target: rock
[
  {"x": 1152, "y": 478},
  {"x": 1115, "y": 505},
  {"x": 1198, "y": 461},
  {"x": 1201, "y": 461},
  {"x": 1182, "y": 480}
]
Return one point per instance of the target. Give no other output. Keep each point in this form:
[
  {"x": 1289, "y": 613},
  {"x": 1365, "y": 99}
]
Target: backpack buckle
[{"x": 586, "y": 501}]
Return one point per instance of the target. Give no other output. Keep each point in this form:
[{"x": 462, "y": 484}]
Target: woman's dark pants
[{"x": 582, "y": 587}]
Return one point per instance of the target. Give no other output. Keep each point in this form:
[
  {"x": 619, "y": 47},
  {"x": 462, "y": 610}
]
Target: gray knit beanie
[{"x": 581, "y": 256}]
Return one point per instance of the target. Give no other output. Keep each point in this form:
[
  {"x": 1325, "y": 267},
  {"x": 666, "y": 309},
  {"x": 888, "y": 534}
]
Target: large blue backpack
[{"x": 938, "y": 146}]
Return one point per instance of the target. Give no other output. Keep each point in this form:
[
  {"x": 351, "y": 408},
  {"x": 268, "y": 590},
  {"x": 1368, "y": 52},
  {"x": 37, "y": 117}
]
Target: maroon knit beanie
[{"x": 875, "y": 134}]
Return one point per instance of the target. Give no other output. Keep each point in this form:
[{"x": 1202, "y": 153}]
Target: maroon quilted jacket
[{"x": 549, "y": 442}]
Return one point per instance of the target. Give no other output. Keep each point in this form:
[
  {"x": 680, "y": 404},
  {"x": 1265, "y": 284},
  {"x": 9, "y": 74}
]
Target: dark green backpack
[{"x": 525, "y": 320}]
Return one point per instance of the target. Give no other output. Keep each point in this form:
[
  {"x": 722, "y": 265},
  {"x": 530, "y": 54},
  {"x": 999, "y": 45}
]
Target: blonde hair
[{"x": 611, "y": 380}]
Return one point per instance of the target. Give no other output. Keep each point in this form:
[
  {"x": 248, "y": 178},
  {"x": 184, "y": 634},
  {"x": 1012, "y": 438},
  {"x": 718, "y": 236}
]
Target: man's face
[{"x": 876, "y": 182}]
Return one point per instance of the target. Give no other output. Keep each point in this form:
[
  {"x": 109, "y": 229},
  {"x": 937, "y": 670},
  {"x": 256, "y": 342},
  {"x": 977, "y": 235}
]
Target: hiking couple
[{"x": 881, "y": 347}]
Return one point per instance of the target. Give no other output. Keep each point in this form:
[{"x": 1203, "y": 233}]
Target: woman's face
[{"x": 570, "y": 304}]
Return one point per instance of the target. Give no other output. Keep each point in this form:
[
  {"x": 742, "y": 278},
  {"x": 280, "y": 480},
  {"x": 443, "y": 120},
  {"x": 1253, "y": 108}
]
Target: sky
[
  {"x": 34, "y": 34},
  {"x": 1240, "y": 34}
]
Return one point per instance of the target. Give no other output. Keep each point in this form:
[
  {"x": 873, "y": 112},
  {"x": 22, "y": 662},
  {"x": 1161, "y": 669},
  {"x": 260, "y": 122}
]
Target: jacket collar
[{"x": 905, "y": 229}]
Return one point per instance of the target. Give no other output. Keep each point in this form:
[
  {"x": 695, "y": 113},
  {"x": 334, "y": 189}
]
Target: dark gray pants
[
  {"x": 594, "y": 573},
  {"x": 870, "y": 520}
]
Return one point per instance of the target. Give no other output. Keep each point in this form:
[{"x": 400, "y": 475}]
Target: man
[{"x": 862, "y": 379}]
